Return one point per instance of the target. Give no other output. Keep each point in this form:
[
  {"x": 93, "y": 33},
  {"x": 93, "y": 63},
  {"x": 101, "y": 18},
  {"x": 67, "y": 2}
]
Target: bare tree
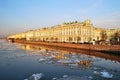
[
  {"x": 103, "y": 35},
  {"x": 115, "y": 38},
  {"x": 116, "y": 35}
]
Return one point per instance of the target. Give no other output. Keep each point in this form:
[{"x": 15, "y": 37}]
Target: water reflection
[
  {"x": 61, "y": 56},
  {"x": 64, "y": 51}
]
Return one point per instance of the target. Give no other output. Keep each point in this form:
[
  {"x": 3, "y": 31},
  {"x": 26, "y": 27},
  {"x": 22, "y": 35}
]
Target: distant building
[{"x": 73, "y": 32}]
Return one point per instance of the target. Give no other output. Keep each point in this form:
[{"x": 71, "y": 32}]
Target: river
[{"x": 30, "y": 62}]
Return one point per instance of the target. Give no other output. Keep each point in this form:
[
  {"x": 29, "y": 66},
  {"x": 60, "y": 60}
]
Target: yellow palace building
[{"x": 73, "y": 32}]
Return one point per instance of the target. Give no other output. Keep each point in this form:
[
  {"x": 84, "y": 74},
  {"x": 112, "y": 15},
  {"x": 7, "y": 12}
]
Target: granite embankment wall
[{"x": 106, "y": 48}]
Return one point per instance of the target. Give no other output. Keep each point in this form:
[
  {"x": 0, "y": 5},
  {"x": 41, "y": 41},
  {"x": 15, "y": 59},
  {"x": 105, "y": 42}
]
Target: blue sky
[{"x": 22, "y": 15}]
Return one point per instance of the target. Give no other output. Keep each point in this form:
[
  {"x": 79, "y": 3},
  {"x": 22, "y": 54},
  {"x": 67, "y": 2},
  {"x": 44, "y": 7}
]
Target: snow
[{"x": 106, "y": 74}]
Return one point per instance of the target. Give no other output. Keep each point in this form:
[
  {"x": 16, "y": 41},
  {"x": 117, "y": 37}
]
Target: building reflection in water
[{"x": 69, "y": 56}]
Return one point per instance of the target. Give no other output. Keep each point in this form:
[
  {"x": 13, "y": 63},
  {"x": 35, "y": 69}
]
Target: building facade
[{"x": 73, "y": 32}]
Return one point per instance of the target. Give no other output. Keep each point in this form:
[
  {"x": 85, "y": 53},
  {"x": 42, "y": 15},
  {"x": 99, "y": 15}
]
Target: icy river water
[{"x": 28, "y": 62}]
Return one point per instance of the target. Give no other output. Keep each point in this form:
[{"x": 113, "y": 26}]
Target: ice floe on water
[
  {"x": 73, "y": 65},
  {"x": 71, "y": 59},
  {"x": 42, "y": 59},
  {"x": 48, "y": 60},
  {"x": 66, "y": 77},
  {"x": 65, "y": 61},
  {"x": 76, "y": 63},
  {"x": 106, "y": 74},
  {"x": 37, "y": 76},
  {"x": 103, "y": 73},
  {"x": 95, "y": 72},
  {"x": 41, "y": 76}
]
